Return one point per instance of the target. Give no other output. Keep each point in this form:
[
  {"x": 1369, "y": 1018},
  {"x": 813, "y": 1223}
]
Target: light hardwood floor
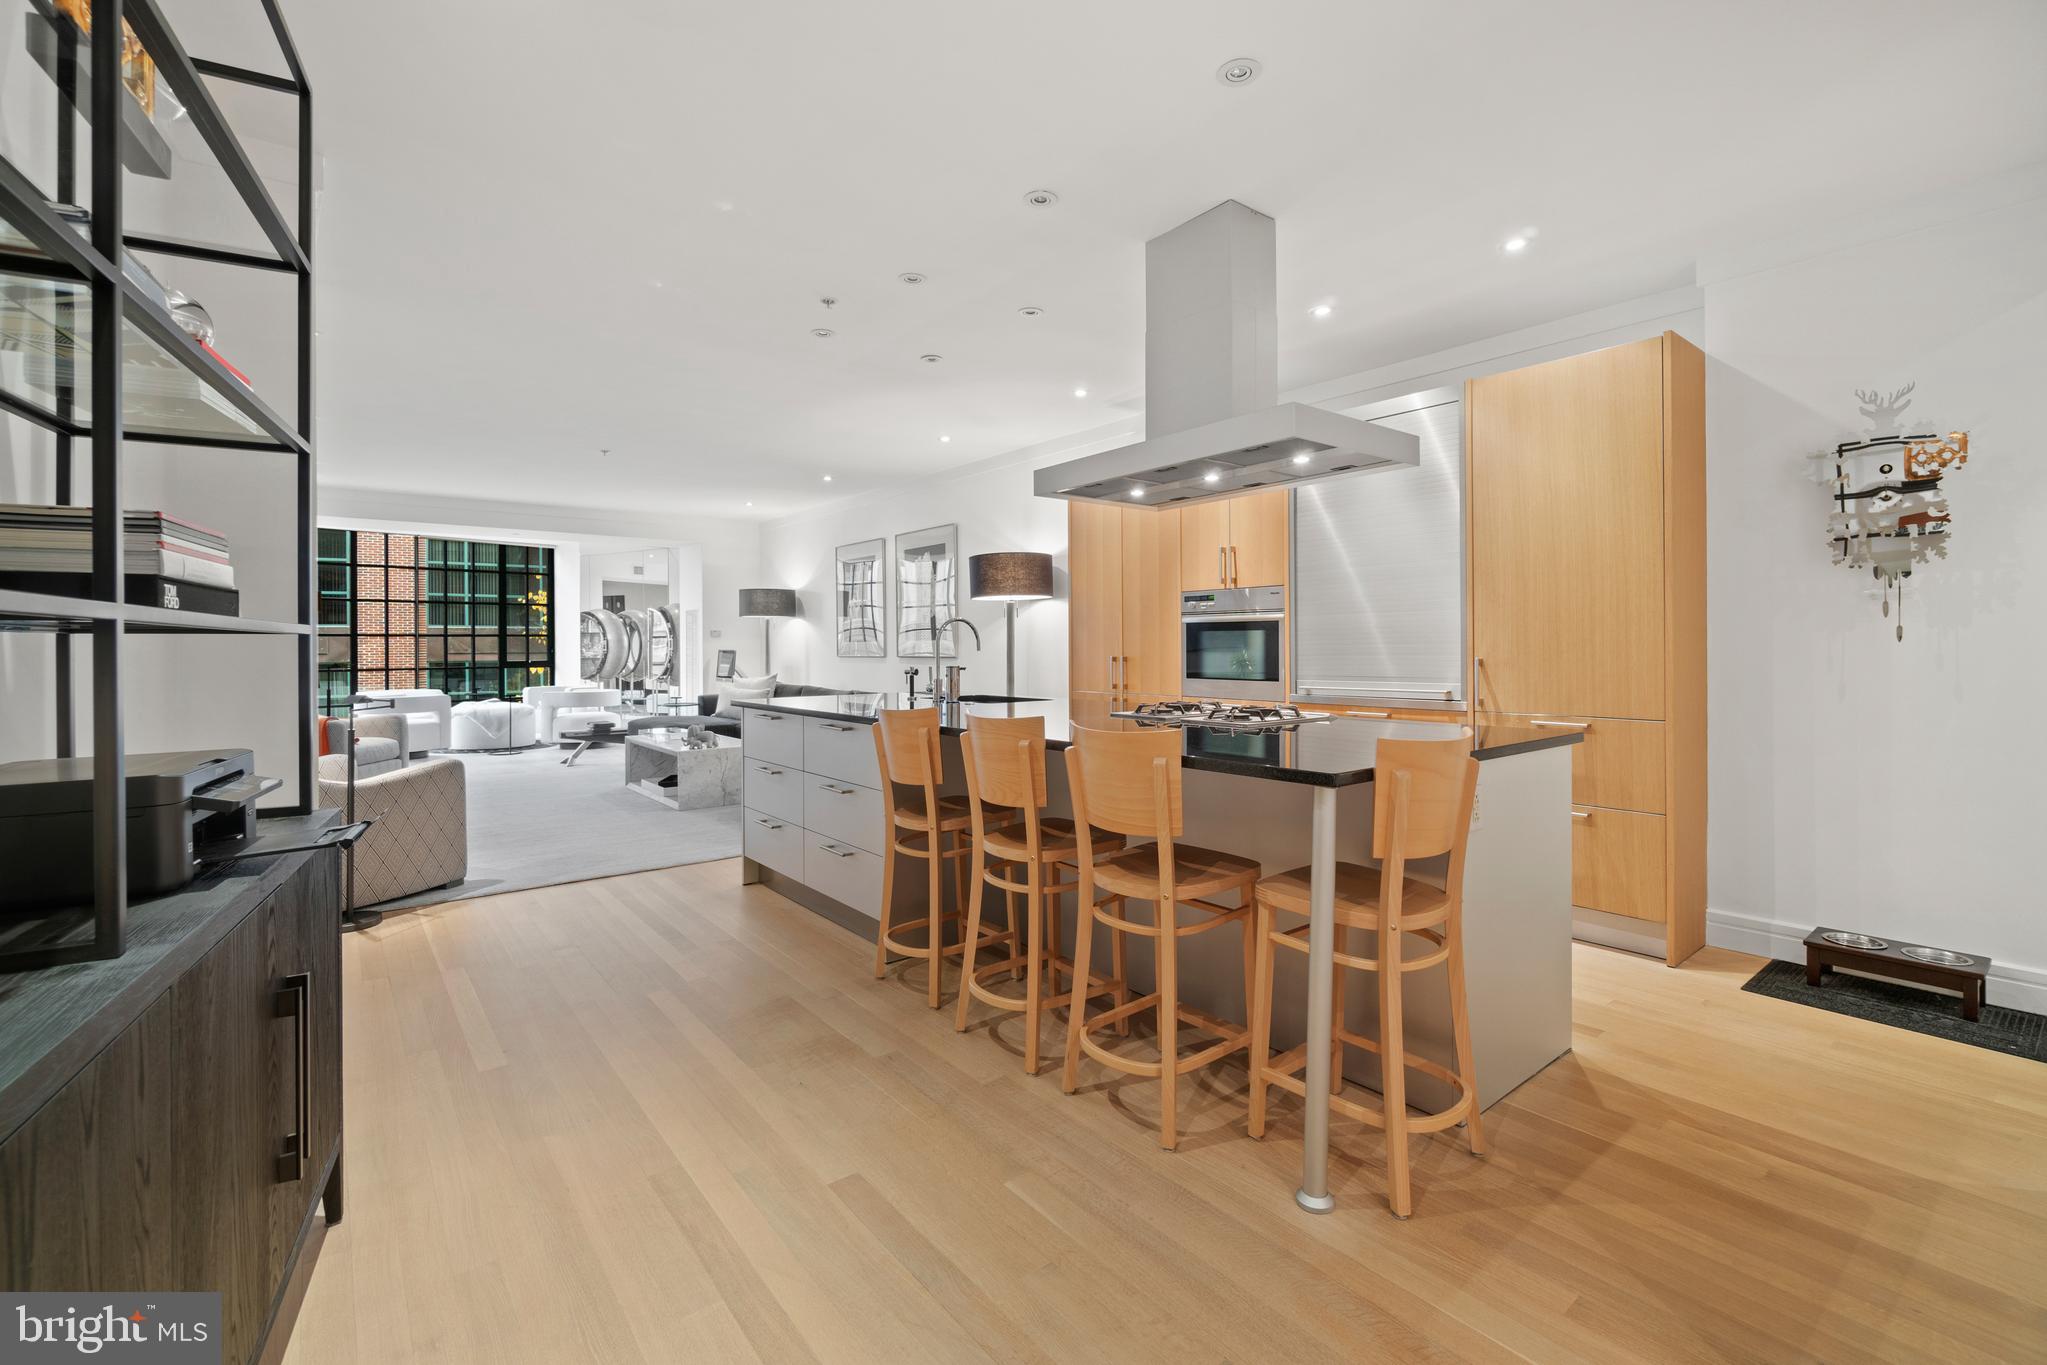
[{"x": 662, "y": 1117}]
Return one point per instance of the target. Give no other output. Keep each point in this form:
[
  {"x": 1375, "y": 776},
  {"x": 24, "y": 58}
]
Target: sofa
[
  {"x": 568, "y": 708},
  {"x": 379, "y": 746},
  {"x": 421, "y": 836},
  {"x": 427, "y": 716},
  {"x": 721, "y": 723}
]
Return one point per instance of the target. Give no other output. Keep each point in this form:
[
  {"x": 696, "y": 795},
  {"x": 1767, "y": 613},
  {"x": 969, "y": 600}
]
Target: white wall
[
  {"x": 994, "y": 508},
  {"x": 1857, "y": 780}
]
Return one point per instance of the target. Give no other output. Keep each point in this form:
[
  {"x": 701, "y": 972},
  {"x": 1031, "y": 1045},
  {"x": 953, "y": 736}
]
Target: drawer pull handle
[
  {"x": 836, "y": 851},
  {"x": 769, "y": 715},
  {"x": 835, "y": 791},
  {"x": 1372, "y": 715},
  {"x": 768, "y": 824},
  {"x": 1563, "y": 724},
  {"x": 833, "y": 725},
  {"x": 1581, "y": 815},
  {"x": 770, "y": 772},
  {"x": 295, "y": 1001}
]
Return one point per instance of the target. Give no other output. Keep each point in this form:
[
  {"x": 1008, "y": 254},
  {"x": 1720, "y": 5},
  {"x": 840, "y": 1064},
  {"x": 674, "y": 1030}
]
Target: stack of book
[{"x": 168, "y": 562}]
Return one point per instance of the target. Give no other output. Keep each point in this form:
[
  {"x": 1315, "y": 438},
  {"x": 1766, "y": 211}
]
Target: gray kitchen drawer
[
  {"x": 844, "y": 811},
  {"x": 849, "y": 875},
  {"x": 774, "y": 789},
  {"x": 840, "y": 748},
  {"x": 775, "y": 842},
  {"x": 773, "y": 736}
]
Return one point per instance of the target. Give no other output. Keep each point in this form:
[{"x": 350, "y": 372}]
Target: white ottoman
[{"x": 491, "y": 725}]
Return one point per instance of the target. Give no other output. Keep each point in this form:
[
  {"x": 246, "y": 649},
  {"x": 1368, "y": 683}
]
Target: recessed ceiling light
[
  {"x": 1321, "y": 310},
  {"x": 910, "y": 277},
  {"x": 1080, "y": 393},
  {"x": 749, "y": 504},
  {"x": 827, "y": 478},
  {"x": 1212, "y": 476},
  {"x": 823, "y": 332},
  {"x": 1239, "y": 71},
  {"x": 943, "y": 439},
  {"x": 1137, "y": 492},
  {"x": 1301, "y": 458},
  {"x": 1032, "y": 311},
  {"x": 1514, "y": 244},
  {"x": 930, "y": 359},
  {"x": 1040, "y": 199}
]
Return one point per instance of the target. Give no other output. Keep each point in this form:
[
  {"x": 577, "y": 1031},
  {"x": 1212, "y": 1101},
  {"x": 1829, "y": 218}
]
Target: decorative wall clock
[{"x": 1889, "y": 514}]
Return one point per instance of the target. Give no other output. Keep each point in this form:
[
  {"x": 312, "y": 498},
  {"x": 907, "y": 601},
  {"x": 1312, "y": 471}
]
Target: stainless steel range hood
[{"x": 1211, "y": 376}]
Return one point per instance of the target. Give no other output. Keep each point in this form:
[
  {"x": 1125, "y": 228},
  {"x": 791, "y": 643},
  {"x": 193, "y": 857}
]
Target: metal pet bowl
[
  {"x": 1940, "y": 957},
  {"x": 1862, "y": 941}
]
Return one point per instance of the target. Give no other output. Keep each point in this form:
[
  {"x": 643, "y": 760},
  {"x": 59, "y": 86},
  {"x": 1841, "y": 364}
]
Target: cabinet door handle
[
  {"x": 1563, "y": 724},
  {"x": 1233, "y": 567},
  {"x": 771, "y": 772},
  {"x": 835, "y": 791},
  {"x": 1373, "y": 715},
  {"x": 767, "y": 824},
  {"x": 836, "y": 851},
  {"x": 1222, "y": 566},
  {"x": 832, "y": 725},
  {"x": 769, "y": 715},
  {"x": 1581, "y": 815},
  {"x": 294, "y": 1000}
]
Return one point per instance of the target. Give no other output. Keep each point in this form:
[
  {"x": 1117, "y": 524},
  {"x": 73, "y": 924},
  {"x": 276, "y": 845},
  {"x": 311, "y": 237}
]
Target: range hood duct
[{"x": 1212, "y": 422}]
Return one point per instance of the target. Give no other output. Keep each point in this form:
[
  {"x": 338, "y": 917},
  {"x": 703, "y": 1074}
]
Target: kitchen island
[{"x": 815, "y": 819}]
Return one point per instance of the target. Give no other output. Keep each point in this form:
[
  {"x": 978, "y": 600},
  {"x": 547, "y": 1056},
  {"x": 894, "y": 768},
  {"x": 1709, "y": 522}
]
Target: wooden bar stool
[
  {"x": 907, "y": 751},
  {"x": 1421, "y": 807},
  {"x": 1003, "y": 759},
  {"x": 1128, "y": 782}
]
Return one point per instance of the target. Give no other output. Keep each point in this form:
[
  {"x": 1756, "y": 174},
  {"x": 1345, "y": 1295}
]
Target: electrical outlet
[
  {"x": 717, "y": 634},
  {"x": 1477, "y": 809}
]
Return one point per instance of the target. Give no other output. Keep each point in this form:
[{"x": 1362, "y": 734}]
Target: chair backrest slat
[
  {"x": 908, "y": 741},
  {"x": 1442, "y": 780},
  {"x": 1116, "y": 768},
  {"x": 1009, "y": 760}
]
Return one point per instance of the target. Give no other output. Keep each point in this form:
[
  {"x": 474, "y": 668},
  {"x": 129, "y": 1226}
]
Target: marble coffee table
[{"x": 706, "y": 771}]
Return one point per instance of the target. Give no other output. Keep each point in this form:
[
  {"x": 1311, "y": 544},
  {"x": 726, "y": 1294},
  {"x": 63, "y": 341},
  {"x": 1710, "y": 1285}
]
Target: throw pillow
[{"x": 743, "y": 689}]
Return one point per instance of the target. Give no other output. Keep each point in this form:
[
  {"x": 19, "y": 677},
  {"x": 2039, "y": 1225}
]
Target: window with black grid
[{"x": 468, "y": 618}]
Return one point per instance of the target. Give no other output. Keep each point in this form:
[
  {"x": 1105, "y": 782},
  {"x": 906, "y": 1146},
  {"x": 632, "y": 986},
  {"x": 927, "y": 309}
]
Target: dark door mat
[{"x": 1907, "y": 1007}]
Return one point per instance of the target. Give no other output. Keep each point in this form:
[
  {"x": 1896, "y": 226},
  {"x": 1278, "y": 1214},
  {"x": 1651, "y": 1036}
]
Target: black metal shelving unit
[{"x": 124, "y": 318}]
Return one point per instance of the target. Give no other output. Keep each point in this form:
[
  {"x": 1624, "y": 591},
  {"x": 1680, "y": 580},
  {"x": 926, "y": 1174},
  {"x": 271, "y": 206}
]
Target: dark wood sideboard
[{"x": 171, "y": 1120}]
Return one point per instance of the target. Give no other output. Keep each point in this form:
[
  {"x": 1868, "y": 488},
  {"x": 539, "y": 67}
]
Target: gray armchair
[
  {"x": 421, "y": 836},
  {"x": 379, "y": 746}
]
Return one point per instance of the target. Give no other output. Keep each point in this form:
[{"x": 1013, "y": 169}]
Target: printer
[{"x": 178, "y": 805}]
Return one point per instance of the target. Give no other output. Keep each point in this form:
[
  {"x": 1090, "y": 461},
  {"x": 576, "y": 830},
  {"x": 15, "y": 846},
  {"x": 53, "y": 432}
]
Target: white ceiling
[{"x": 551, "y": 228}]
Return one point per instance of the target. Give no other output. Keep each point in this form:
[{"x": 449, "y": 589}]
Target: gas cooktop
[{"x": 1220, "y": 715}]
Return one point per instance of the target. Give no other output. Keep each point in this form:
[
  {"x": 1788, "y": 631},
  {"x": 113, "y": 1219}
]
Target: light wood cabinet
[
  {"x": 1094, "y": 571},
  {"x": 1586, "y": 569},
  {"x": 1238, "y": 542},
  {"x": 1123, "y": 620},
  {"x": 1150, "y": 607}
]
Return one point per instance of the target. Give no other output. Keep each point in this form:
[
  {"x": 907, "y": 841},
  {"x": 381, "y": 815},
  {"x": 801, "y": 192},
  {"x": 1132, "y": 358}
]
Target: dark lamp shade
[
  {"x": 1009, "y": 576},
  {"x": 767, "y": 602}
]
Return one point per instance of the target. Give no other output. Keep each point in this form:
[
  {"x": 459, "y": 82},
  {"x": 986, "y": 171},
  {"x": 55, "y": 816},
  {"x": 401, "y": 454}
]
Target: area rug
[
  {"x": 1887, "y": 1002},
  {"x": 534, "y": 822}
]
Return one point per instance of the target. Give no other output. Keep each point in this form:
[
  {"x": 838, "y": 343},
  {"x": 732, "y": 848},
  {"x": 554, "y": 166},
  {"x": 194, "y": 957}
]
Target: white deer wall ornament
[{"x": 1889, "y": 512}]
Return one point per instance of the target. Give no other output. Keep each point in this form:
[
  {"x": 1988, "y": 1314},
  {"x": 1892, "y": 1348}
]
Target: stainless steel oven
[{"x": 1233, "y": 643}]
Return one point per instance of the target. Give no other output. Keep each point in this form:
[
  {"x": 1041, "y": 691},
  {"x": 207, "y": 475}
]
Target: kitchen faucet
[{"x": 945, "y": 682}]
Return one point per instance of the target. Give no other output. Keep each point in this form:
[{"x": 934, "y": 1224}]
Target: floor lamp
[
  {"x": 1009, "y": 577},
  {"x": 767, "y": 604}
]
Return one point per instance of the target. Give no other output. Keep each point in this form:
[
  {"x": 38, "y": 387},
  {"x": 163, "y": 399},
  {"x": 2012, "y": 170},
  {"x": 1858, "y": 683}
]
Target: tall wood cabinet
[
  {"x": 1238, "y": 542},
  {"x": 1123, "y": 623},
  {"x": 1586, "y": 491}
]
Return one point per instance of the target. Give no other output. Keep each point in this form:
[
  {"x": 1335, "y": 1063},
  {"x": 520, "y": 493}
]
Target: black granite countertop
[{"x": 1333, "y": 753}]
